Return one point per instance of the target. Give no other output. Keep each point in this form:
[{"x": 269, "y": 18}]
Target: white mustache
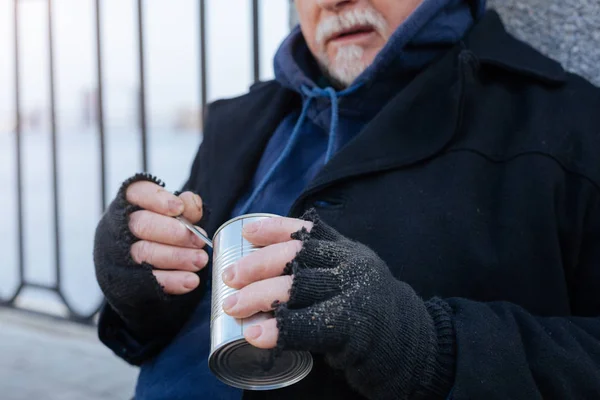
[{"x": 355, "y": 18}]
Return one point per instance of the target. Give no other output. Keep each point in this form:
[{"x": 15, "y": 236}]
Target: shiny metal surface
[
  {"x": 194, "y": 230},
  {"x": 233, "y": 360}
]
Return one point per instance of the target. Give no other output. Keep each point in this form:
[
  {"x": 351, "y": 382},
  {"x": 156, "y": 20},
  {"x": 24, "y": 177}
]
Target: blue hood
[{"x": 329, "y": 118}]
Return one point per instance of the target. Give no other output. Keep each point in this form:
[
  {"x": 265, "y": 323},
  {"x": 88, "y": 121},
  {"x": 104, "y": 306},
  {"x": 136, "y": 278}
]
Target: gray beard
[{"x": 346, "y": 67}]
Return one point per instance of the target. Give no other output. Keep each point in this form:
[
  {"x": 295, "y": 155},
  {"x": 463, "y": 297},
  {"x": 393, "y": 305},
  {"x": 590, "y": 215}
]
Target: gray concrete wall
[{"x": 566, "y": 30}]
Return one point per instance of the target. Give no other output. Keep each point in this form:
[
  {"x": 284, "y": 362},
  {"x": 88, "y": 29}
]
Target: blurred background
[
  {"x": 151, "y": 118},
  {"x": 92, "y": 91}
]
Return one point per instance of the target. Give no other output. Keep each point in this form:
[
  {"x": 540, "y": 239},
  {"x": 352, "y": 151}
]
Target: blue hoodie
[
  {"x": 304, "y": 141},
  {"x": 308, "y": 138}
]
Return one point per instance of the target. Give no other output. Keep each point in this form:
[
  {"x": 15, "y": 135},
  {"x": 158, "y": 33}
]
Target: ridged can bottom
[{"x": 241, "y": 365}]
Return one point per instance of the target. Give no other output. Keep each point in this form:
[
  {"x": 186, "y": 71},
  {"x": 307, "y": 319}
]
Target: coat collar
[
  {"x": 495, "y": 47},
  {"x": 414, "y": 125},
  {"x": 422, "y": 119},
  {"x": 400, "y": 135}
]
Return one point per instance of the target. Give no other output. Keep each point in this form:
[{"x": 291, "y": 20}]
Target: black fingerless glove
[
  {"x": 131, "y": 290},
  {"x": 345, "y": 304}
]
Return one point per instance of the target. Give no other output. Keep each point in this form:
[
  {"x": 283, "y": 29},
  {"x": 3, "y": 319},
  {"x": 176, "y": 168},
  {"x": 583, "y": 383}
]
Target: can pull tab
[{"x": 195, "y": 230}]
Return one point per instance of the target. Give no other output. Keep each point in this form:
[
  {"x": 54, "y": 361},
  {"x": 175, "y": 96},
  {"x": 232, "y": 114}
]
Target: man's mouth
[{"x": 352, "y": 34}]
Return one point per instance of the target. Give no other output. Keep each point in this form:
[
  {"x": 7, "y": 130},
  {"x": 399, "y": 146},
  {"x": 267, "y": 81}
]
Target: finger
[
  {"x": 153, "y": 197},
  {"x": 261, "y": 264},
  {"x": 258, "y": 297},
  {"x": 192, "y": 206},
  {"x": 263, "y": 335},
  {"x": 147, "y": 225},
  {"x": 273, "y": 230},
  {"x": 177, "y": 282},
  {"x": 164, "y": 256}
]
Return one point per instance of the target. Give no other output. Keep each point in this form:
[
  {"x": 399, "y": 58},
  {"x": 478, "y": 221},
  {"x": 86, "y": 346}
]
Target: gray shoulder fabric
[{"x": 565, "y": 30}]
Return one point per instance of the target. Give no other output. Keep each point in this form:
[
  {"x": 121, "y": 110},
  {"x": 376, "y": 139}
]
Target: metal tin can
[{"x": 232, "y": 359}]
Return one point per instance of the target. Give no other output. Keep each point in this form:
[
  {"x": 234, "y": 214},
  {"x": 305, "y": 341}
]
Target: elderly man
[{"x": 440, "y": 183}]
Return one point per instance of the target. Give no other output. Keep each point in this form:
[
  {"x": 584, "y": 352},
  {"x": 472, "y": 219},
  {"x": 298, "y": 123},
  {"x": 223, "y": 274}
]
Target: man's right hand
[{"x": 174, "y": 252}]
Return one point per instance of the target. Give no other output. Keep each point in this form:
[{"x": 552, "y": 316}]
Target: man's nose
[{"x": 335, "y": 5}]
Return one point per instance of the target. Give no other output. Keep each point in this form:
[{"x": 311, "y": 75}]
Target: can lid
[
  {"x": 244, "y": 366},
  {"x": 245, "y": 216}
]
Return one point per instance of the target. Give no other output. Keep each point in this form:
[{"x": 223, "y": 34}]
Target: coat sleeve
[{"x": 505, "y": 352}]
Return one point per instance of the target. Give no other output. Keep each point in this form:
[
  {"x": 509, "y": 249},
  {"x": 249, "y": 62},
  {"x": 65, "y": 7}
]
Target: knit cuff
[{"x": 439, "y": 374}]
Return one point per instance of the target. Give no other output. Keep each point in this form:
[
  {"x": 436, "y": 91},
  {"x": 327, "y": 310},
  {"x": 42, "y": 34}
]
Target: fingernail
[
  {"x": 201, "y": 259},
  {"x": 252, "y": 227},
  {"x": 253, "y": 332},
  {"x": 176, "y": 206},
  {"x": 198, "y": 201},
  {"x": 228, "y": 274},
  {"x": 190, "y": 282},
  {"x": 230, "y": 302}
]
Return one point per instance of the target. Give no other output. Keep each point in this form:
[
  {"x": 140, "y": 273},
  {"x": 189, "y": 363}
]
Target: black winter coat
[{"x": 479, "y": 183}]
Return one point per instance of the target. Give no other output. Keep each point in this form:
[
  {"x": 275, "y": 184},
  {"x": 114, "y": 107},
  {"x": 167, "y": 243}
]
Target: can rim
[
  {"x": 244, "y": 216},
  {"x": 301, "y": 370}
]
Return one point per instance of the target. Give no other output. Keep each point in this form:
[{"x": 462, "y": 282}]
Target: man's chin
[
  {"x": 341, "y": 74},
  {"x": 344, "y": 76}
]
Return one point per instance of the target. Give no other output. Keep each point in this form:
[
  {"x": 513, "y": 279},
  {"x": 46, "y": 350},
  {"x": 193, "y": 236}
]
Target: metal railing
[{"x": 57, "y": 287}]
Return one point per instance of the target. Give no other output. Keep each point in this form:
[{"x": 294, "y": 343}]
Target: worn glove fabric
[
  {"x": 345, "y": 303},
  {"x": 131, "y": 289}
]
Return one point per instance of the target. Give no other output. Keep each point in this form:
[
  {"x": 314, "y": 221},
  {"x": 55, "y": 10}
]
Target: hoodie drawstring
[{"x": 310, "y": 95}]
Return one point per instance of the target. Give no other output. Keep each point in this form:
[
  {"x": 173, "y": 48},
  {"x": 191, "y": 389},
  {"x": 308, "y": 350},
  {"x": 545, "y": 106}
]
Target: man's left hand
[{"x": 336, "y": 297}]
